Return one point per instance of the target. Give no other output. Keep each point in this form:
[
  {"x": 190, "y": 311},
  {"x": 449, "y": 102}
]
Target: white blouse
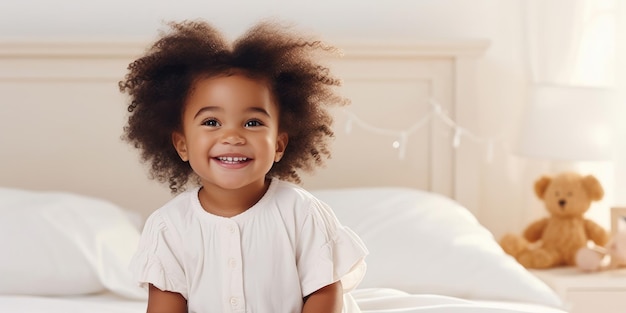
[{"x": 264, "y": 260}]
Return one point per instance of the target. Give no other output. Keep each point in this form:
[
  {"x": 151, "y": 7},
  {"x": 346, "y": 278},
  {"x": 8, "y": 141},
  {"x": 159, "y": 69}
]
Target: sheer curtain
[
  {"x": 620, "y": 112},
  {"x": 574, "y": 43}
]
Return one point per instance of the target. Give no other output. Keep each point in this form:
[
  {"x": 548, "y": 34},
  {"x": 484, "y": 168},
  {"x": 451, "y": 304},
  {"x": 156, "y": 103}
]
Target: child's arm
[
  {"x": 160, "y": 301},
  {"x": 328, "y": 299}
]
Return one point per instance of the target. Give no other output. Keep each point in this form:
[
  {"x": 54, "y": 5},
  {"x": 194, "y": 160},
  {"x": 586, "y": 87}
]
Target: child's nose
[{"x": 233, "y": 137}]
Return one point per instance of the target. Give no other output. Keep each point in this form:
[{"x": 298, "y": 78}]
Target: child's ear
[
  {"x": 281, "y": 145},
  {"x": 178, "y": 140}
]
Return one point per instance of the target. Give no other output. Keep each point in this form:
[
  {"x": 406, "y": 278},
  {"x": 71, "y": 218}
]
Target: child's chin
[{"x": 236, "y": 184}]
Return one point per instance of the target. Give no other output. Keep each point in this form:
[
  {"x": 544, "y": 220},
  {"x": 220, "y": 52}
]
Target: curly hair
[{"x": 159, "y": 82}]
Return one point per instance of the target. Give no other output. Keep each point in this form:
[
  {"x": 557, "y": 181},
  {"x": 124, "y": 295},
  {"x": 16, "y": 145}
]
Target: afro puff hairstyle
[{"x": 159, "y": 82}]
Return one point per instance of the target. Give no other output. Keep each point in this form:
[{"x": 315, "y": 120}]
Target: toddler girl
[{"x": 236, "y": 123}]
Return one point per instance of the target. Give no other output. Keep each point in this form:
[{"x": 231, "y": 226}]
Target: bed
[
  {"x": 66, "y": 252},
  {"x": 71, "y": 209}
]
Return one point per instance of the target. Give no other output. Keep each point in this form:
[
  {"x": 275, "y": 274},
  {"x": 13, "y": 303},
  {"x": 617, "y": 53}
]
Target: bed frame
[{"x": 61, "y": 119}]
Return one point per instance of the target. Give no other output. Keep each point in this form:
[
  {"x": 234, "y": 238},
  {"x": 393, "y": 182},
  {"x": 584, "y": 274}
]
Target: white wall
[
  {"x": 353, "y": 18},
  {"x": 501, "y": 81}
]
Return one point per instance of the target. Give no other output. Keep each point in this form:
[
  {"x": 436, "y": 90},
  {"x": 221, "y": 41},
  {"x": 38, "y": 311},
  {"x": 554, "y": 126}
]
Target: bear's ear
[
  {"x": 541, "y": 185},
  {"x": 593, "y": 188}
]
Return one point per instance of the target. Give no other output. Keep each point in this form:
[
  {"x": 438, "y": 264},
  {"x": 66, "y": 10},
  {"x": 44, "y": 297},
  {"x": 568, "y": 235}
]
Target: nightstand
[{"x": 582, "y": 292}]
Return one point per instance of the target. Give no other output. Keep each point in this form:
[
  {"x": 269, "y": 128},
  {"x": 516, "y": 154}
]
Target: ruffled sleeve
[
  {"x": 155, "y": 261},
  {"x": 328, "y": 252}
]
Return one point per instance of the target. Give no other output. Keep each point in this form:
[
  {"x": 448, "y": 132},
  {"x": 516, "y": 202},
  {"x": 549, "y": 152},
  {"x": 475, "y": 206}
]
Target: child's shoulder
[
  {"x": 290, "y": 191},
  {"x": 178, "y": 207},
  {"x": 301, "y": 204},
  {"x": 296, "y": 197}
]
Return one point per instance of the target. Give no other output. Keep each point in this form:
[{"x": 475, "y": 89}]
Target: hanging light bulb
[
  {"x": 437, "y": 107},
  {"x": 490, "y": 151},
  {"x": 348, "y": 125},
  {"x": 403, "y": 143},
  {"x": 456, "y": 141}
]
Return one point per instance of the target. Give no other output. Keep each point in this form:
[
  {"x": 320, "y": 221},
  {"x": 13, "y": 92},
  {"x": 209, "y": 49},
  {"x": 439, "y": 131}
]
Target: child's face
[{"x": 230, "y": 133}]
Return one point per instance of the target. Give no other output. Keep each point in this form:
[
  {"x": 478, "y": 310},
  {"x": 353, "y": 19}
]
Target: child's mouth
[{"x": 232, "y": 160}]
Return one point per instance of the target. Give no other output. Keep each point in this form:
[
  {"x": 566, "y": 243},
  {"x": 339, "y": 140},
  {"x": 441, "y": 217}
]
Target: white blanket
[
  {"x": 380, "y": 300},
  {"x": 375, "y": 300}
]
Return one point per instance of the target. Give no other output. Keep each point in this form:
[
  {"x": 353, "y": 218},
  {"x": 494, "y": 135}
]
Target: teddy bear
[
  {"x": 554, "y": 240},
  {"x": 611, "y": 256}
]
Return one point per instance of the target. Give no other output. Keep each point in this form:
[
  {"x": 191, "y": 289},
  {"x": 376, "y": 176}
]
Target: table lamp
[
  {"x": 567, "y": 124},
  {"x": 571, "y": 127}
]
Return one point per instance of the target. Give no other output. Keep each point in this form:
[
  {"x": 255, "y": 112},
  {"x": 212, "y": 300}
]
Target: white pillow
[
  {"x": 56, "y": 243},
  {"x": 422, "y": 242}
]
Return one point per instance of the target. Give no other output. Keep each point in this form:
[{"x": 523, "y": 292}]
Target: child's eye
[
  {"x": 211, "y": 122},
  {"x": 253, "y": 123}
]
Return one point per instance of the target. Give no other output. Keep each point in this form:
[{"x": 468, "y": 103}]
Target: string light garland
[{"x": 402, "y": 136}]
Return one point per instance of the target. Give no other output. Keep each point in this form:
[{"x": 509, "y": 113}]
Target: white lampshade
[{"x": 567, "y": 123}]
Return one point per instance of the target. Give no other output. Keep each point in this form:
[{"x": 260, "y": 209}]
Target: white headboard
[{"x": 61, "y": 118}]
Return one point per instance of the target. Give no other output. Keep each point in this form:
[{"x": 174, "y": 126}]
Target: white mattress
[{"x": 369, "y": 301}]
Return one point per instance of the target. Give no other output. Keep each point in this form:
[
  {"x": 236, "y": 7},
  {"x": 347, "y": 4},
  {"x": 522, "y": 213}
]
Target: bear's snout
[{"x": 562, "y": 203}]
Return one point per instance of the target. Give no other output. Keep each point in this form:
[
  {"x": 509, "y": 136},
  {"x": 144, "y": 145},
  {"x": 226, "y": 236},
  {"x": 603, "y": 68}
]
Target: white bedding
[
  {"x": 67, "y": 253},
  {"x": 384, "y": 300},
  {"x": 99, "y": 303},
  {"x": 373, "y": 300}
]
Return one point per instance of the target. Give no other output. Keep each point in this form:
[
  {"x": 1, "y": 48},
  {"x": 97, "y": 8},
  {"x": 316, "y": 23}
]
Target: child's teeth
[{"x": 233, "y": 159}]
